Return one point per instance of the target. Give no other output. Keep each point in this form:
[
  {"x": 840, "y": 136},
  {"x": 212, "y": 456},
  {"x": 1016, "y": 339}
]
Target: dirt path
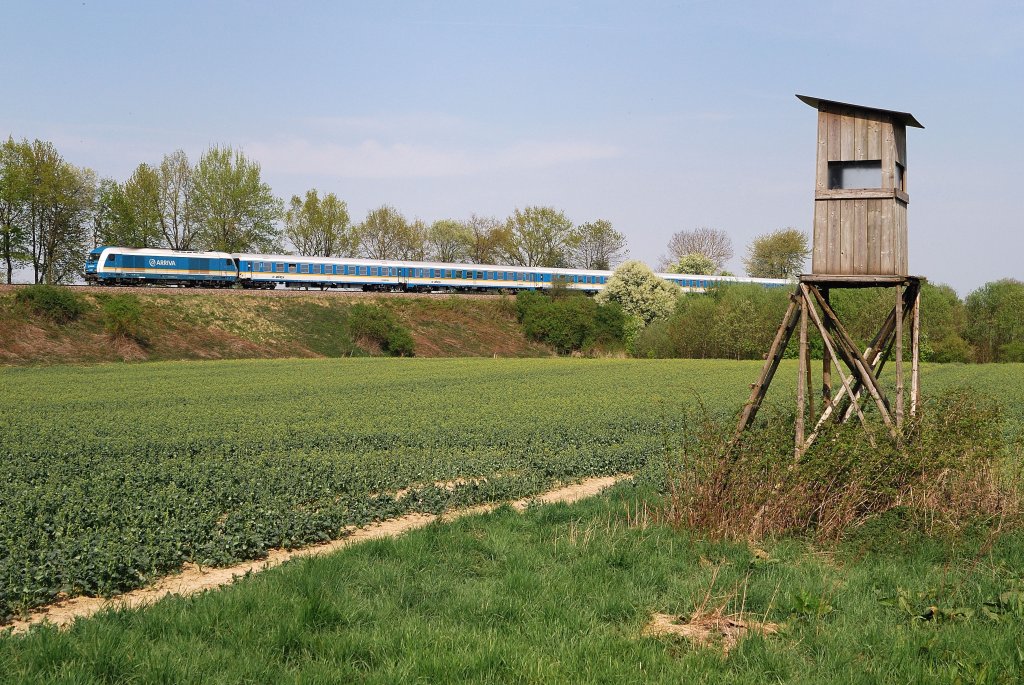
[{"x": 194, "y": 579}]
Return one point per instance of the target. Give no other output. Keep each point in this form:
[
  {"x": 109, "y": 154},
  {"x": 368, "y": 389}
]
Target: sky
[{"x": 657, "y": 116}]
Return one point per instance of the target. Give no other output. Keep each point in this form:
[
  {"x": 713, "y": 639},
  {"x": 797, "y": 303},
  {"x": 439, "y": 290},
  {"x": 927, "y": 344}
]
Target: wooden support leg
[
  {"x": 852, "y": 357},
  {"x": 899, "y": 357},
  {"x": 915, "y": 353},
  {"x": 827, "y": 340},
  {"x": 801, "y": 380},
  {"x": 826, "y": 367},
  {"x": 771, "y": 363}
]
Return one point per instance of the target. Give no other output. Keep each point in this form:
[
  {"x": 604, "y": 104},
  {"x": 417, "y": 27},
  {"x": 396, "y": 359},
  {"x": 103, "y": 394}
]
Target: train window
[{"x": 292, "y": 268}]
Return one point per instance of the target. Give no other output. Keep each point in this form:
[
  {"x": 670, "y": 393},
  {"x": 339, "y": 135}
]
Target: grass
[{"x": 561, "y": 594}]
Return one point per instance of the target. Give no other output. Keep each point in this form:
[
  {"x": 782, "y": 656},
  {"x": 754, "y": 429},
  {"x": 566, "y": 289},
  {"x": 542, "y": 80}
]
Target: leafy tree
[
  {"x": 596, "y": 245},
  {"x": 713, "y": 243},
  {"x": 448, "y": 240},
  {"x": 382, "y": 233},
  {"x": 995, "y": 321},
  {"x": 235, "y": 210},
  {"x": 538, "y": 236},
  {"x": 178, "y": 217},
  {"x": 779, "y": 254},
  {"x": 486, "y": 240},
  {"x": 57, "y": 214},
  {"x": 15, "y": 191},
  {"x": 412, "y": 243},
  {"x": 319, "y": 227},
  {"x": 643, "y": 296},
  {"x": 694, "y": 263}
]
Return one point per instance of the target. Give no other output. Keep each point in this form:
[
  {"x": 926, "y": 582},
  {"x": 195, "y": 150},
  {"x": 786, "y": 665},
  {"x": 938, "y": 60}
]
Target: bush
[
  {"x": 375, "y": 327},
  {"x": 948, "y": 474},
  {"x": 122, "y": 317},
  {"x": 570, "y": 322},
  {"x": 60, "y": 305}
]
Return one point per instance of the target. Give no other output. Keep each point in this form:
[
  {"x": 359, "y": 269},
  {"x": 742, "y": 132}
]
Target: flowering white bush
[{"x": 643, "y": 296}]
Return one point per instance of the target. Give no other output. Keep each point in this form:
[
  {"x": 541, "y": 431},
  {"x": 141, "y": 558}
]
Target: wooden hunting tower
[
  {"x": 860, "y": 241},
  {"x": 860, "y": 198}
]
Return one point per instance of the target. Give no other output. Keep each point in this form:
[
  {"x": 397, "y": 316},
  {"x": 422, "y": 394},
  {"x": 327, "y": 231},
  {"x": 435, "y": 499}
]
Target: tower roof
[{"x": 906, "y": 118}]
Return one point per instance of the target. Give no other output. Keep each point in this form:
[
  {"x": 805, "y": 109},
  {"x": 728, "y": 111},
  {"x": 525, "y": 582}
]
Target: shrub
[
  {"x": 60, "y": 305},
  {"x": 949, "y": 473},
  {"x": 570, "y": 322},
  {"x": 643, "y": 296},
  {"x": 122, "y": 317},
  {"x": 375, "y": 327}
]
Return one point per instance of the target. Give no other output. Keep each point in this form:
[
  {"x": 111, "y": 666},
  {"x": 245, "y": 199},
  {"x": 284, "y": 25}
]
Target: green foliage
[
  {"x": 995, "y": 315},
  {"x": 643, "y": 296},
  {"x": 319, "y": 227},
  {"x": 375, "y": 326},
  {"x": 733, "y": 321},
  {"x": 779, "y": 254},
  {"x": 596, "y": 245},
  {"x": 122, "y": 317},
  {"x": 58, "y": 304},
  {"x": 693, "y": 263},
  {"x": 538, "y": 236},
  {"x": 235, "y": 210},
  {"x": 570, "y": 322},
  {"x": 386, "y": 234},
  {"x": 449, "y": 240}
]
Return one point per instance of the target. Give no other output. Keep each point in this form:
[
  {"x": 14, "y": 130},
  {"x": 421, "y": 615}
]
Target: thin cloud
[{"x": 374, "y": 160}]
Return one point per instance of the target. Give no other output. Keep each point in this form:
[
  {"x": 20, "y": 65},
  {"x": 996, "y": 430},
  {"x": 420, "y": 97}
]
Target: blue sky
[{"x": 657, "y": 116}]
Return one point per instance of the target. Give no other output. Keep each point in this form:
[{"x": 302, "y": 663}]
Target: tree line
[
  {"x": 52, "y": 213},
  {"x": 738, "y": 321}
]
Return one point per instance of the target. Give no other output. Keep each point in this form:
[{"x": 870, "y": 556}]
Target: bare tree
[{"x": 713, "y": 243}]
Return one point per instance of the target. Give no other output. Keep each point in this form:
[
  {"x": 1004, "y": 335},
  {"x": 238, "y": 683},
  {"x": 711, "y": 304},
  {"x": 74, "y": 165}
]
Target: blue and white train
[{"x": 134, "y": 266}]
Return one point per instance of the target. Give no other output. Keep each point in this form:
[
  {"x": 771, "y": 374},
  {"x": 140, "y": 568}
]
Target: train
[{"x": 111, "y": 265}]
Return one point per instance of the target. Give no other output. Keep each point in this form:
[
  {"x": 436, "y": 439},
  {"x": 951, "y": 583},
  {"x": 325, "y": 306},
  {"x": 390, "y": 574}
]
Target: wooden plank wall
[{"x": 859, "y": 236}]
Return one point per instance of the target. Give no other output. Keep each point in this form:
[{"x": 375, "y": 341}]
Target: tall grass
[{"x": 950, "y": 470}]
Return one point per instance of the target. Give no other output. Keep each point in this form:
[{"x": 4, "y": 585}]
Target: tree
[
  {"x": 995, "y": 321},
  {"x": 236, "y": 211},
  {"x": 487, "y": 239},
  {"x": 596, "y": 245},
  {"x": 643, "y": 296},
  {"x": 178, "y": 218},
  {"x": 713, "y": 243},
  {"x": 57, "y": 214},
  {"x": 15, "y": 189},
  {"x": 538, "y": 236},
  {"x": 779, "y": 254},
  {"x": 693, "y": 263},
  {"x": 382, "y": 233},
  {"x": 412, "y": 242},
  {"x": 319, "y": 227},
  {"x": 448, "y": 240}
]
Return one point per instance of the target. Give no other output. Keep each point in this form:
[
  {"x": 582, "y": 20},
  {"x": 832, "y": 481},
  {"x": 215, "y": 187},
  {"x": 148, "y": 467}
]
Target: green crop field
[{"x": 113, "y": 475}]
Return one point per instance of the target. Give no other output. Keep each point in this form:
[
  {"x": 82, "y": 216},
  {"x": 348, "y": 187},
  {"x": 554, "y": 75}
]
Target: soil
[{"x": 193, "y": 579}]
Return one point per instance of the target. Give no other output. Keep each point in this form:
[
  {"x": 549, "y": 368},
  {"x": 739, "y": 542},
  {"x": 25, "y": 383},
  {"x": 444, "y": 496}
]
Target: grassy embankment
[
  {"x": 556, "y": 595},
  {"x": 233, "y": 325}
]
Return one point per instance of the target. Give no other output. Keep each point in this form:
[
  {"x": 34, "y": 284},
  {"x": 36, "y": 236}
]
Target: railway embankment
[{"x": 140, "y": 324}]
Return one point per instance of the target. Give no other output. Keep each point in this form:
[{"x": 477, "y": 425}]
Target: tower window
[{"x": 862, "y": 174}]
